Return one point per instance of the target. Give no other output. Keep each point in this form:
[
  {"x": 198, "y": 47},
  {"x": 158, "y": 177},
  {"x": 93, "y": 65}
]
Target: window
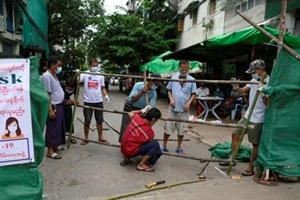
[
  {"x": 180, "y": 24},
  {"x": 244, "y": 6},
  {"x": 195, "y": 16},
  {"x": 212, "y": 7},
  {"x": 250, "y": 4},
  {"x": 237, "y": 8},
  {"x": 1, "y": 7},
  {"x": 9, "y": 17},
  {"x": 258, "y": 2},
  {"x": 7, "y": 48}
]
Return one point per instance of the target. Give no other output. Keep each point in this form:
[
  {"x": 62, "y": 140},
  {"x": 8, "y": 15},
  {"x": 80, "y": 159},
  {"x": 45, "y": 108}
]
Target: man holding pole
[
  {"x": 137, "y": 99},
  {"x": 256, "y": 69},
  {"x": 181, "y": 94}
]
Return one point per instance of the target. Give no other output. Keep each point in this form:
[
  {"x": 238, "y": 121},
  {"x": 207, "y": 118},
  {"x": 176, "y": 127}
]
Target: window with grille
[
  {"x": 7, "y": 48},
  {"x": 180, "y": 24},
  {"x": 212, "y": 7}
]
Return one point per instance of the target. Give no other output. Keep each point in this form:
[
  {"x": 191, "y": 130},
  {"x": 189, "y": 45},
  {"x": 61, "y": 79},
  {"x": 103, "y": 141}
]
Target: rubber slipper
[
  {"x": 104, "y": 141},
  {"x": 84, "y": 142},
  {"x": 248, "y": 173},
  {"x": 54, "y": 156},
  {"x": 149, "y": 169},
  {"x": 59, "y": 148},
  {"x": 126, "y": 162},
  {"x": 73, "y": 141}
]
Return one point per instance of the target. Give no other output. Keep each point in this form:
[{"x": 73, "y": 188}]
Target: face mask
[
  {"x": 183, "y": 74},
  {"x": 69, "y": 91},
  {"x": 94, "y": 69},
  {"x": 255, "y": 76},
  {"x": 154, "y": 87},
  {"x": 58, "y": 70},
  {"x": 12, "y": 128}
]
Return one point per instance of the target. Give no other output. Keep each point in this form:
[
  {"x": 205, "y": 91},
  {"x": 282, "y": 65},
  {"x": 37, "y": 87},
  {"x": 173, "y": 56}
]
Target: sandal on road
[
  {"x": 84, "y": 142},
  {"x": 73, "y": 141},
  {"x": 59, "y": 148},
  {"x": 104, "y": 141},
  {"x": 54, "y": 156},
  {"x": 148, "y": 169},
  {"x": 126, "y": 162},
  {"x": 248, "y": 173}
]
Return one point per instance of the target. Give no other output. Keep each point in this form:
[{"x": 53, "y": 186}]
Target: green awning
[
  {"x": 233, "y": 44},
  {"x": 192, "y": 6},
  {"x": 169, "y": 67},
  {"x": 273, "y": 7}
]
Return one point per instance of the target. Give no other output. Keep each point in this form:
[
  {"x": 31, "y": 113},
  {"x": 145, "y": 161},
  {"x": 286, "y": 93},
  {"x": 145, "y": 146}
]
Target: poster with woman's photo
[{"x": 16, "y": 142}]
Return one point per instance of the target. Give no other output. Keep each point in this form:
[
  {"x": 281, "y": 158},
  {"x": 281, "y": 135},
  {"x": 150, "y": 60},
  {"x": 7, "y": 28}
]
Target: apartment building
[{"x": 10, "y": 34}]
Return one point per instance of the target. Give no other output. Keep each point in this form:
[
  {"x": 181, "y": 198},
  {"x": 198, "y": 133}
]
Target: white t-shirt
[
  {"x": 202, "y": 92},
  {"x": 258, "y": 114},
  {"x": 53, "y": 87},
  {"x": 92, "y": 87}
]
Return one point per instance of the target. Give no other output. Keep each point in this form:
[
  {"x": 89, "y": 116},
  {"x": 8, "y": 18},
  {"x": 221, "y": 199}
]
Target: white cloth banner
[{"x": 16, "y": 141}]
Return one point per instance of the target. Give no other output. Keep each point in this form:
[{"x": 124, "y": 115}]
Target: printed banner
[{"x": 16, "y": 142}]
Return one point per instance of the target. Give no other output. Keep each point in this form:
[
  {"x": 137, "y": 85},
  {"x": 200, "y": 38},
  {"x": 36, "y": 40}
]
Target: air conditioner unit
[
  {"x": 207, "y": 22},
  {"x": 2, "y": 24}
]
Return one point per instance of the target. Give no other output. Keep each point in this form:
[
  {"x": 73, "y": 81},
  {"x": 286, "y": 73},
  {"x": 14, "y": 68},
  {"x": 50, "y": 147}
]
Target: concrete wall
[{"x": 193, "y": 34}]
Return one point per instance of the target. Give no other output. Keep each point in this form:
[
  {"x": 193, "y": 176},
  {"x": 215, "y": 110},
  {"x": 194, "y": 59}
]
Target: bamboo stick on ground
[
  {"x": 201, "y": 160},
  {"x": 177, "y": 120},
  {"x": 152, "y": 189}
]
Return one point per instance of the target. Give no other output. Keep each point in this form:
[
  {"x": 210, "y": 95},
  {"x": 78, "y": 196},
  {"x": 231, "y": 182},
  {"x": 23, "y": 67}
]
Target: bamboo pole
[
  {"x": 177, "y": 120},
  {"x": 282, "y": 25},
  {"x": 273, "y": 38},
  {"x": 146, "y": 85},
  {"x": 74, "y": 112},
  {"x": 175, "y": 80},
  {"x": 152, "y": 189},
  {"x": 244, "y": 129},
  {"x": 201, "y": 160}
]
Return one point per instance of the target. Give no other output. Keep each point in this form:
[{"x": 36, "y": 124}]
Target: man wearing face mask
[
  {"x": 94, "y": 91},
  {"x": 137, "y": 100},
  {"x": 55, "y": 127},
  {"x": 181, "y": 95},
  {"x": 256, "y": 69}
]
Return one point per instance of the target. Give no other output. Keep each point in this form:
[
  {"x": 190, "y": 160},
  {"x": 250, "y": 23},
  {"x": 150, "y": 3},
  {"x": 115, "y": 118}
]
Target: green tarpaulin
[
  {"x": 250, "y": 36},
  {"x": 280, "y": 140},
  {"x": 25, "y": 181},
  {"x": 167, "y": 68}
]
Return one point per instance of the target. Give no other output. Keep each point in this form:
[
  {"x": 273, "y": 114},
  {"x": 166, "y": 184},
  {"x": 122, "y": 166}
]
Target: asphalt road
[{"x": 93, "y": 171}]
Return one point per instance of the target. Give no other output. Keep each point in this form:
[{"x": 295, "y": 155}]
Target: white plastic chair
[{"x": 238, "y": 107}]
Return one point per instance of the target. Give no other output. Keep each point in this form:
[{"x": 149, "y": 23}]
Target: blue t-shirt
[
  {"x": 181, "y": 93},
  {"x": 141, "y": 102}
]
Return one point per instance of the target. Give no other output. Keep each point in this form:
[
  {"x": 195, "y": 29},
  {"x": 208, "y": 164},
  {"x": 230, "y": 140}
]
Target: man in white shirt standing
[
  {"x": 256, "y": 69},
  {"x": 94, "y": 90}
]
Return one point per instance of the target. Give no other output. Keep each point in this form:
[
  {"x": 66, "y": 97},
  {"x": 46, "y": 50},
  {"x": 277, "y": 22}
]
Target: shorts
[
  {"x": 253, "y": 134},
  {"x": 171, "y": 126},
  {"x": 88, "y": 112}
]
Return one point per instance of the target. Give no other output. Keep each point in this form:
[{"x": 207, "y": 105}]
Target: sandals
[
  {"x": 73, "y": 141},
  {"x": 84, "y": 142},
  {"x": 179, "y": 151},
  {"x": 149, "y": 169},
  {"x": 125, "y": 162},
  {"x": 59, "y": 148},
  {"x": 54, "y": 156},
  {"x": 104, "y": 141},
  {"x": 164, "y": 149},
  {"x": 248, "y": 173}
]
